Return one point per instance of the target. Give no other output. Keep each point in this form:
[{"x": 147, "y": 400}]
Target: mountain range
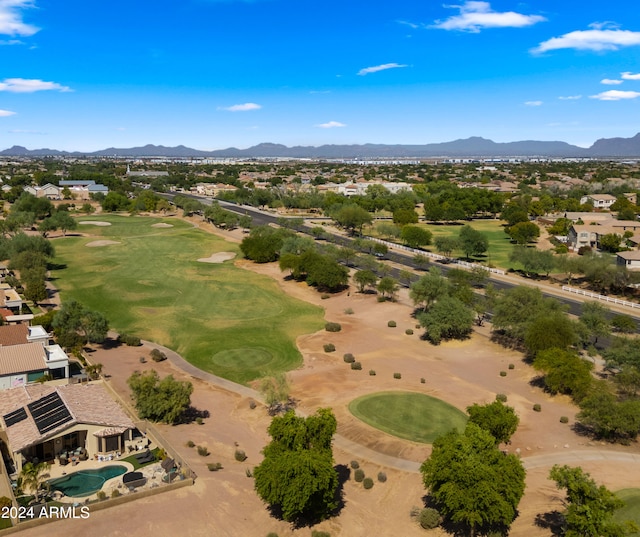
[{"x": 468, "y": 147}]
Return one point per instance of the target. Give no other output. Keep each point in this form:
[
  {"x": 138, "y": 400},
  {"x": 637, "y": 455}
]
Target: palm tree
[{"x": 33, "y": 477}]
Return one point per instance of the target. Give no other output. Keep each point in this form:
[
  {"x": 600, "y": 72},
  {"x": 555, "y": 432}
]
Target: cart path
[{"x": 405, "y": 465}]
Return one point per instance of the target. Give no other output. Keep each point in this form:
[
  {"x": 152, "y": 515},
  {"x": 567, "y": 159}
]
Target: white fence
[
  {"x": 437, "y": 257},
  {"x": 604, "y": 298}
]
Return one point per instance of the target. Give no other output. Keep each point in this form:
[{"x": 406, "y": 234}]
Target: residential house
[
  {"x": 599, "y": 201},
  {"x": 629, "y": 259},
  {"x": 31, "y": 362},
  {"x": 589, "y": 235},
  {"x": 40, "y": 422},
  {"x": 19, "y": 334},
  {"x": 49, "y": 191}
]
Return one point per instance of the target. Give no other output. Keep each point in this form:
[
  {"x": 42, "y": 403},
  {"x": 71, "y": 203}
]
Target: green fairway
[
  {"x": 408, "y": 415},
  {"x": 223, "y": 319},
  {"x": 631, "y": 511}
]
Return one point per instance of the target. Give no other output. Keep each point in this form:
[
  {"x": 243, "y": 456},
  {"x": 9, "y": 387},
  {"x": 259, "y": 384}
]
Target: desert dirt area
[{"x": 224, "y": 503}]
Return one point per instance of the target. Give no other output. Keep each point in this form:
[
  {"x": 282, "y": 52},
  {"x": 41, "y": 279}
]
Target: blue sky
[{"x": 210, "y": 74}]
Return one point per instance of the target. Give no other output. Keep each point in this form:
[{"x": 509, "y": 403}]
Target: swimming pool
[{"x": 86, "y": 482}]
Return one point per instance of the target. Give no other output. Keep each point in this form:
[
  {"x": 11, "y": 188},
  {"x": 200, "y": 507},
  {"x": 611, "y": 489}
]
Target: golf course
[{"x": 143, "y": 273}]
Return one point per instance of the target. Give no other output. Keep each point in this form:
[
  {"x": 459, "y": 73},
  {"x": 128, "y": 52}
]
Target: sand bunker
[
  {"x": 94, "y": 223},
  {"x": 161, "y": 224},
  {"x": 218, "y": 258},
  {"x": 101, "y": 243}
]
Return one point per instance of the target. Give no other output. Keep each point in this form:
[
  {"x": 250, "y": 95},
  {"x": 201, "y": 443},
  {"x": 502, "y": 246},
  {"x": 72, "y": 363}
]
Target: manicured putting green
[
  {"x": 408, "y": 415},
  {"x": 243, "y": 357},
  {"x": 631, "y": 510}
]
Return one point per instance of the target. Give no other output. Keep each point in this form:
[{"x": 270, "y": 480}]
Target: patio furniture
[
  {"x": 144, "y": 458},
  {"x": 168, "y": 464},
  {"x": 134, "y": 480}
]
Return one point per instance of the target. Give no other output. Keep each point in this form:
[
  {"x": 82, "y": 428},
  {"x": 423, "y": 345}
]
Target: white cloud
[
  {"x": 330, "y": 125},
  {"x": 412, "y": 25},
  {"x": 616, "y": 95},
  {"x": 11, "y": 22},
  {"x": 533, "y": 103},
  {"x": 595, "y": 39},
  {"x": 6, "y": 113},
  {"x": 5, "y": 42},
  {"x": 24, "y": 85},
  {"x": 475, "y": 16},
  {"x": 570, "y": 97},
  {"x": 246, "y": 107},
  {"x": 382, "y": 67},
  {"x": 610, "y": 82},
  {"x": 630, "y": 76}
]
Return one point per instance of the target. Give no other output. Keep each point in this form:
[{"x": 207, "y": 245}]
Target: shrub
[
  {"x": 397, "y": 375},
  {"x": 240, "y": 455},
  {"x": 316, "y": 533},
  {"x": 354, "y": 464},
  {"x": 5, "y": 502},
  {"x": 429, "y": 518},
  {"x": 358, "y": 475},
  {"x": 324, "y": 296},
  {"x": 501, "y": 397},
  {"x": 333, "y": 327},
  {"x": 115, "y": 493},
  {"x": 143, "y": 360},
  {"x": 356, "y": 366},
  {"x": 391, "y": 324},
  {"x": 423, "y": 380},
  {"x": 381, "y": 298},
  {"x": 214, "y": 466},
  {"x": 382, "y": 477},
  {"x": 418, "y": 326},
  {"x": 512, "y": 366},
  {"x": 252, "y": 404},
  {"x": 367, "y": 483},
  {"x": 158, "y": 356},
  {"x": 537, "y": 408},
  {"x": 409, "y": 331},
  {"x": 130, "y": 341},
  {"x": 584, "y": 250},
  {"x": 199, "y": 421},
  {"x": 272, "y": 534},
  {"x": 564, "y": 419},
  {"x": 372, "y": 372},
  {"x": 191, "y": 443},
  {"x": 503, "y": 373},
  {"x": 102, "y": 495},
  {"x": 349, "y": 358},
  {"x": 203, "y": 451},
  {"x": 329, "y": 347},
  {"x": 562, "y": 249},
  {"x": 248, "y": 472},
  {"x": 349, "y": 311}
]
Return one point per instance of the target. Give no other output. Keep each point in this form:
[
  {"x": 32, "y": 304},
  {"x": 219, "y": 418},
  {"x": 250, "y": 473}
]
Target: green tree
[
  {"x": 429, "y": 288},
  {"x": 550, "y": 330},
  {"x": 610, "y": 242},
  {"x": 388, "y": 287},
  {"x": 420, "y": 260},
  {"x": 34, "y": 478},
  {"x": 524, "y": 232},
  {"x": 624, "y": 324},
  {"x": 608, "y": 418},
  {"x": 472, "y": 482},
  {"x": 352, "y": 217},
  {"x": 415, "y": 236},
  {"x": 163, "y": 400},
  {"x": 263, "y": 243},
  {"x": 74, "y": 318},
  {"x": 565, "y": 372},
  {"x": 472, "y": 241},
  {"x": 402, "y": 217},
  {"x": 296, "y": 476},
  {"x": 589, "y": 507},
  {"x": 448, "y": 318},
  {"x": 595, "y": 318},
  {"x": 445, "y": 245},
  {"x": 326, "y": 273},
  {"x": 498, "y": 419},
  {"x": 364, "y": 279},
  {"x": 532, "y": 260}
]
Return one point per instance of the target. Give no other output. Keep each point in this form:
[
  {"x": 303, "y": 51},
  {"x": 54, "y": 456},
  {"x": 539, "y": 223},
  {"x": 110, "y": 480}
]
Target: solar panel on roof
[
  {"x": 49, "y": 412},
  {"x": 15, "y": 417}
]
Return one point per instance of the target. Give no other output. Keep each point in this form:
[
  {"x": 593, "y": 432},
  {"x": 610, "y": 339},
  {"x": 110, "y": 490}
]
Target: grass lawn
[
  {"x": 631, "y": 511},
  {"x": 408, "y": 415},
  {"x": 225, "y": 320}
]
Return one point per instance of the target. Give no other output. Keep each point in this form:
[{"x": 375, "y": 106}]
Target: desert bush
[
  {"x": 418, "y": 326},
  {"x": 329, "y": 347},
  {"x": 512, "y": 366},
  {"x": 349, "y": 311},
  {"x": 324, "y": 296},
  {"x": 422, "y": 380},
  {"x": 240, "y": 455},
  {"x": 391, "y": 324},
  {"x": 158, "y": 356},
  {"x": 5, "y": 502},
  {"x": 381, "y": 298},
  {"x": 115, "y": 493},
  {"x": 367, "y": 483},
  {"x": 503, "y": 373},
  {"x": 214, "y": 466},
  {"x": 501, "y": 397},
  {"x": 191, "y": 443},
  {"x": 397, "y": 375},
  {"x": 252, "y": 404},
  {"x": 358, "y": 475},
  {"x": 143, "y": 360},
  {"x": 372, "y": 372},
  {"x": 409, "y": 331},
  {"x": 537, "y": 408},
  {"x": 356, "y": 366},
  {"x": 249, "y": 472},
  {"x": 102, "y": 495},
  {"x": 349, "y": 358},
  {"x": 333, "y": 327},
  {"x": 382, "y": 477},
  {"x": 316, "y": 533},
  {"x": 272, "y": 534},
  {"x": 564, "y": 419},
  {"x": 199, "y": 421},
  {"x": 354, "y": 464},
  {"x": 203, "y": 451},
  {"x": 429, "y": 518},
  {"x": 130, "y": 341}
]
